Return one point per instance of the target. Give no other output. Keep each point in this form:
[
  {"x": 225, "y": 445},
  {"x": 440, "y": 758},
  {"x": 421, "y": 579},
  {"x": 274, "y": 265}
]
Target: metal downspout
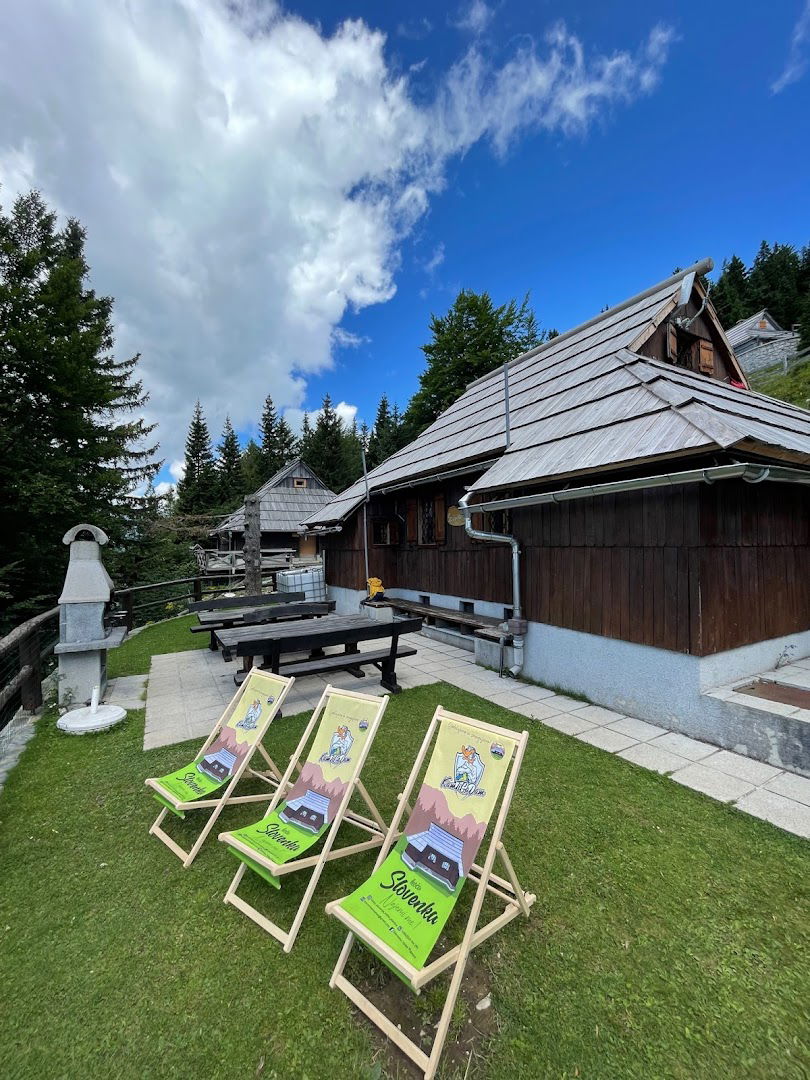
[{"x": 517, "y": 622}]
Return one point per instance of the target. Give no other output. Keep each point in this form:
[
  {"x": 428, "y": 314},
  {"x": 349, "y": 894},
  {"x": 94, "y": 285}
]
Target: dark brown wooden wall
[{"x": 697, "y": 569}]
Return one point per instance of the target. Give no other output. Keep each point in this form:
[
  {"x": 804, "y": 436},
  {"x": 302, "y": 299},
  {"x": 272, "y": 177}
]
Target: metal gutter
[
  {"x": 517, "y": 623},
  {"x": 749, "y": 471},
  {"x": 701, "y": 267}
]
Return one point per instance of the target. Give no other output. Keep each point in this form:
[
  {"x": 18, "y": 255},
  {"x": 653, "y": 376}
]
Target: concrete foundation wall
[{"x": 665, "y": 688}]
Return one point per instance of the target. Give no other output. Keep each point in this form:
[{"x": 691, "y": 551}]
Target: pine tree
[
  {"x": 473, "y": 338},
  {"x": 305, "y": 442},
  {"x": 72, "y": 445},
  {"x": 229, "y": 468},
  {"x": 252, "y": 468},
  {"x": 286, "y": 443},
  {"x": 384, "y": 439},
  {"x": 731, "y": 295},
  {"x": 351, "y": 458},
  {"x": 268, "y": 427},
  {"x": 197, "y": 491},
  {"x": 326, "y": 452},
  {"x": 774, "y": 283}
]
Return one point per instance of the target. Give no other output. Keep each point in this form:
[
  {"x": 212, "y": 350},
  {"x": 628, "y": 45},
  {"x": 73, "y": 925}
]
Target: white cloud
[
  {"x": 177, "y": 469},
  {"x": 797, "y": 60},
  {"x": 295, "y": 417},
  {"x": 474, "y": 18},
  {"x": 436, "y": 259},
  {"x": 246, "y": 180},
  {"x": 164, "y": 488}
]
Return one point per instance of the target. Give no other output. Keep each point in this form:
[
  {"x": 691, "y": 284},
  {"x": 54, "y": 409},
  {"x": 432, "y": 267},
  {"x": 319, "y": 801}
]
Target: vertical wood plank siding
[{"x": 697, "y": 569}]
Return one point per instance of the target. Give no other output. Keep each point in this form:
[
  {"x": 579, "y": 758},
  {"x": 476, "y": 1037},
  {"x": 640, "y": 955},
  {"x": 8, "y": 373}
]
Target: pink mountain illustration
[
  {"x": 312, "y": 779},
  {"x": 226, "y": 740},
  {"x": 431, "y": 807}
]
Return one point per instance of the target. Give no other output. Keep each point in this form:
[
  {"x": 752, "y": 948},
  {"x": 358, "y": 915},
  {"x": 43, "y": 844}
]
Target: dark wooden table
[
  {"x": 214, "y": 603},
  {"x": 272, "y": 641},
  {"x": 221, "y": 619}
]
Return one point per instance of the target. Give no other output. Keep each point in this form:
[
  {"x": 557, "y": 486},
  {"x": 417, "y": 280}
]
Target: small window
[
  {"x": 500, "y": 522},
  {"x": 467, "y": 607},
  {"x": 445, "y": 864},
  {"x": 384, "y": 532},
  {"x": 299, "y": 481},
  {"x": 427, "y": 521},
  {"x": 431, "y": 857}
]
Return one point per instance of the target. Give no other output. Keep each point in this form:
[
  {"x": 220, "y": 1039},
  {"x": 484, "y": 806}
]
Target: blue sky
[
  {"x": 278, "y": 197},
  {"x": 711, "y": 163}
]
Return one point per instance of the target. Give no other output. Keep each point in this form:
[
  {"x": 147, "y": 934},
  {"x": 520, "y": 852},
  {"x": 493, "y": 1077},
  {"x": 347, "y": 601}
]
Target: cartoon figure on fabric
[
  {"x": 341, "y": 744},
  {"x": 469, "y": 766},
  {"x": 251, "y": 718}
]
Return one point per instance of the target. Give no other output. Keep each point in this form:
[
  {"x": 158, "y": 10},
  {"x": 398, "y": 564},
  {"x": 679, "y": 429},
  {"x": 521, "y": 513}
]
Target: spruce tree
[
  {"x": 326, "y": 452},
  {"x": 229, "y": 468},
  {"x": 252, "y": 468},
  {"x": 72, "y": 444},
  {"x": 286, "y": 443},
  {"x": 305, "y": 442},
  {"x": 384, "y": 438},
  {"x": 268, "y": 428},
  {"x": 731, "y": 295},
  {"x": 774, "y": 283},
  {"x": 473, "y": 338},
  {"x": 197, "y": 491}
]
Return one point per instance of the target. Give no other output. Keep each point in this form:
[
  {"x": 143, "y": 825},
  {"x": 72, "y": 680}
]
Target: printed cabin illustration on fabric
[
  {"x": 309, "y": 811},
  {"x": 218, "y": 766},
  {"x": 437, "y": 853}
]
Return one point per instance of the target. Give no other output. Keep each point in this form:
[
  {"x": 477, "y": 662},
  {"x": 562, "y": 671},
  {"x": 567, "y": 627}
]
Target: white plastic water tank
[{"x": 310, "y": 581}]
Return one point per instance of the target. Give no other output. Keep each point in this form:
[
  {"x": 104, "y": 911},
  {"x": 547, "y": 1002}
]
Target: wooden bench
[
  {"x": 345, "y": 661},
  {"x": 211, "y": 621},
  {"x": 484, "y": 626}
]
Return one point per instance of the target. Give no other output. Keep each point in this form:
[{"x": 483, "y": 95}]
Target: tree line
[{"x": 777, "y": 279}]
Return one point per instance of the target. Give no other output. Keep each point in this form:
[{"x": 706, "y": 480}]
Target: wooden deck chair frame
[
  {"x": 270, "y": 777},
  {"x": 507, "y": 889},
  {"x": 374, "y": 825}
]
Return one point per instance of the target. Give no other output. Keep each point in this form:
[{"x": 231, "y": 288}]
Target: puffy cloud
[
  {"x": 797, "y": 60},
  {"x": 246, "y": 180},
  {"x": 474, "y": 17}
]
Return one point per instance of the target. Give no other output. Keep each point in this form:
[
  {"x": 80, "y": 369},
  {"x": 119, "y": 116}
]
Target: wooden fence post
[
  {"x": 252, "y": 551},
  {"x": 196, "y": 588},
  {"x": 129, "y": 611},
  {"x": 31, "y": 689}
]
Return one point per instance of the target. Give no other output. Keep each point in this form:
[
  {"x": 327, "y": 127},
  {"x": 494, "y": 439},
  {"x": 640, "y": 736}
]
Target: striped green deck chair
[
  {"x": 339, "y": 735},
  {"x": 400, "y": 911},
  {"x": 223, "y": 760}
]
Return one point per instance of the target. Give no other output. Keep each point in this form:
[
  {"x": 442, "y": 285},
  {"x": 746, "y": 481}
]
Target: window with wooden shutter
[
  {"x": 411, "y": 518},
  {"x": 706, "y": 357},
  {"x": 439, "y": 519}
]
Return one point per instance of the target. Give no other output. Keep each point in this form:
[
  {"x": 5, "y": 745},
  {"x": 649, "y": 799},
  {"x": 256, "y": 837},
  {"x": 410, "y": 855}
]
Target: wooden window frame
[{"x": 413, "y": 516}]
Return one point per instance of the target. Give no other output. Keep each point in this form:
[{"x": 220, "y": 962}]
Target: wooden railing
[
  {"x": 23, "y": 654},
  {"x": 126, "y": 599}
]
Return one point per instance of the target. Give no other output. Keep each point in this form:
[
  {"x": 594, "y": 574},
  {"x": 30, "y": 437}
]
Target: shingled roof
[
  {"x": 281, "y": 508},
  {"x": 588, "y": 401}
]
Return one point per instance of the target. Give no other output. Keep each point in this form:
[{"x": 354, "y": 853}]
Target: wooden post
[
  {"x": 129, "y": 611},
  {"x": 31, "y": 689},
  {"x": 252, "y": 551},
  {"x": 197, "y": 588}
]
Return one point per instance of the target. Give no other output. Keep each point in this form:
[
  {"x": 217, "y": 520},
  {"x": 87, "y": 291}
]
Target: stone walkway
[{"x": 188, "y": 692}]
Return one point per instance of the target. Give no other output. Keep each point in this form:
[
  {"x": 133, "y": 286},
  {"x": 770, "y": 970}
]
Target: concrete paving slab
[
  {"x": 639, "y": 730},
  {"x": 718, "y": 785},
  {"x": 535, "y": 693},
  {"x": 508, "y": 699},
  {"x": 568, "y": 724},
  {"x": 745, "y": 768},
  {"x": 791, "y": 786},
  {"x": 599, "y": 715},
  {"x": 606, "y": 738},
  {"x": 784, "y": 813},
  {"x": 650, "y": 757},
  {"x": 561, "y": 703},
  {"x": 683, "y": 746},
  {"x": 538, "y": 710}
]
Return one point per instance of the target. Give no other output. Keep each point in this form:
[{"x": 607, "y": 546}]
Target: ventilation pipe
[{"x": 517, "y": 624}]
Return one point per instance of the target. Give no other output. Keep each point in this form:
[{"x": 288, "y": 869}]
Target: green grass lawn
[
  {"x": 173, "y": 635},
  {"x": 671, "y": 935}
]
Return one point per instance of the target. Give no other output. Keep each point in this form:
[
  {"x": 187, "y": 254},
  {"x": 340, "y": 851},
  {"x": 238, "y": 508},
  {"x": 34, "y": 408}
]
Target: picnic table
[
  {"x": 312, "y": 636},
  {"x": 211, "y": 621}
]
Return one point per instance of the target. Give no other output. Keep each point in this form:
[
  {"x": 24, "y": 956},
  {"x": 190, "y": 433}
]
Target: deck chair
[
  {"x": 400, "y": 911},
  {"x": 223, "y": 759},
  {"x": 317, "y": 804}
]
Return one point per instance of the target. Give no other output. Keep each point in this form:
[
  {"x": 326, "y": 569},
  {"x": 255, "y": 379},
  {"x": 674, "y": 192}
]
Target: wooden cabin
[
  {"x": 660, "y": 509},
  {"x": 218, "y": 766},
  {"x": 309, "y": 811},
  {"x": 436, "y": 853},
  {"x": 288, "y": 497}
]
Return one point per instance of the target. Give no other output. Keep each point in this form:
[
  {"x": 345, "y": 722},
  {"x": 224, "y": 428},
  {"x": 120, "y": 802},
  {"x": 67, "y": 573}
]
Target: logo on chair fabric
[{"x": 467, "y": 773}]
